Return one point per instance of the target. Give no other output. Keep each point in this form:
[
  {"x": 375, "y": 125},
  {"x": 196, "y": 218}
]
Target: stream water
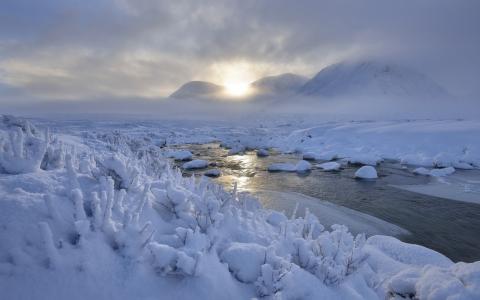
[{"x": 447, "y": 226}]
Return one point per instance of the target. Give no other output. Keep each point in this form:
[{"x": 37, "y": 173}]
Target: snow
[
  {"x": 300, "y": 167},
  {"x": 421, "y": 171},
  {"x": 432, "y": 282},
  {"x": 422, "y": 143},
  {"x": 303, "y": 166},
  {"x": 244, "y": 260},
  {"x": 440, "y": 172},
  {"x": 195, "y": 164},
  {"x": 111, "y": 219},
  {"x": 181, "y": 155},
  {"x": 366, "y": 172},
  {"x": 330, "y": 166},
  {"x": 371, "y": 78},
  {"x": 282, "y": 167}
]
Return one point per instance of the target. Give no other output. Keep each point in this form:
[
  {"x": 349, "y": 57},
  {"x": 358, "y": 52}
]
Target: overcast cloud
[{"x": 82, "y": 49}]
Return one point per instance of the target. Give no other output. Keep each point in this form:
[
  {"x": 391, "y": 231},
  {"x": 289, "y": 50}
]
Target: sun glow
[
  {"x": 237, "y": 89},
  {"x": 235, "y": 77}
]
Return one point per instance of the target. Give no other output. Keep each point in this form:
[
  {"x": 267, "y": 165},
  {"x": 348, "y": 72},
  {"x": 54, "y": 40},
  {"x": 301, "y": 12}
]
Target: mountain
[
  {"x": 280, "y": 84},
  {"x": 371, "y": 78},
  {"x": 194, "y": 89}
]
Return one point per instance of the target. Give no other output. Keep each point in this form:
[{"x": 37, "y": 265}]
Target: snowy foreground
[{"x": 104, "y": 216}]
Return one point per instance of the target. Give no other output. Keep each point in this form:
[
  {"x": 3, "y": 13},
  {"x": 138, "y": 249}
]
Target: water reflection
[{"x": 450, "y": 227}]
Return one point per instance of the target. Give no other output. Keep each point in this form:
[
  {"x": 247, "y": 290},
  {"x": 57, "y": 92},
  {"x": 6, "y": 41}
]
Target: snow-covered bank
[
  {"x": 110, "y": 219},
  {"x": 427, "y": 143}
]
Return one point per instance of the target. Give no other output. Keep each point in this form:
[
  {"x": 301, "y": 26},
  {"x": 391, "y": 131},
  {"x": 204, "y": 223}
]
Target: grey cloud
[{"x": 145, "y": 48}]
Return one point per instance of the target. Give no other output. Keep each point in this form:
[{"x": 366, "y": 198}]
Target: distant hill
[
  {"x": 371, "y": 78},
  {"x": 195, "y": 89},
  {"x": 345, "y": 79},
  {"x": 287, "y": 83}
]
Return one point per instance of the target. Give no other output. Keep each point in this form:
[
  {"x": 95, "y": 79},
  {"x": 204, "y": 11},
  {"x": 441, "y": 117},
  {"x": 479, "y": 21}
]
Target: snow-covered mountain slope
[
  {"x": 371, "y": 78},
  {"x": 287, "y": 83},
  {"x": 195, "y": 89}
]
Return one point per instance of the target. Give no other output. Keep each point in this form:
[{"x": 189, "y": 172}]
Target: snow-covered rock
[
  {"x": 212, "y": 173},
  {"x": 440, "y": 172},
  {"x": 282, "y": 167},
  {"x": 181, "y": 155},
  {"x": 330, "y": 166},
  {"x": 421, "y": 171},
  {"x": 195, "y": 164},
  {"x": 366, "y": 172},
  {"x": 262, "y": 153},
  {"x": 301, "y": 166},
  {"x": 236, "y": 149}
]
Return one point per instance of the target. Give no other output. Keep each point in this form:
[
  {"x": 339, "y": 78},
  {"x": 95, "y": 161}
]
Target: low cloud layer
[{"x": 71, "y": 50}]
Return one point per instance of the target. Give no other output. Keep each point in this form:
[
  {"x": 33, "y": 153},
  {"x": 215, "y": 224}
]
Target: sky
[{"x": 63, "y": 50}]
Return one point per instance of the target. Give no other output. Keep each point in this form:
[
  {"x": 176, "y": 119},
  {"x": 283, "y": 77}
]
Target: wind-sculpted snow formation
[{"x": 113, "y": 220}]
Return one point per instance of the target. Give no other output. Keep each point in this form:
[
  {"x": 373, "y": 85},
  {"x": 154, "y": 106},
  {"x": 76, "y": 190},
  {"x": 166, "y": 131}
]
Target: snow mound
[
  {"x": 459, "y": 281},
  {"x": 330, "y": 166},
  {"x": 195, "y": 164},
  {"x": 366, "y": 172},
  {"x": 301, "y": 166},
  {"x": 244, "y": 260}
]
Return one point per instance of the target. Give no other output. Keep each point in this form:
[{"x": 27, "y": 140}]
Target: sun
[
  {"x": 235, "y": 77},
  {"x": 237, "y": 88}
]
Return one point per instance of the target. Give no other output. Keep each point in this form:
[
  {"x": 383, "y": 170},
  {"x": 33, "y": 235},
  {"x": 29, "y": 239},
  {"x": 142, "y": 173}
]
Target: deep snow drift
[{"x": 104, "y": 216}]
